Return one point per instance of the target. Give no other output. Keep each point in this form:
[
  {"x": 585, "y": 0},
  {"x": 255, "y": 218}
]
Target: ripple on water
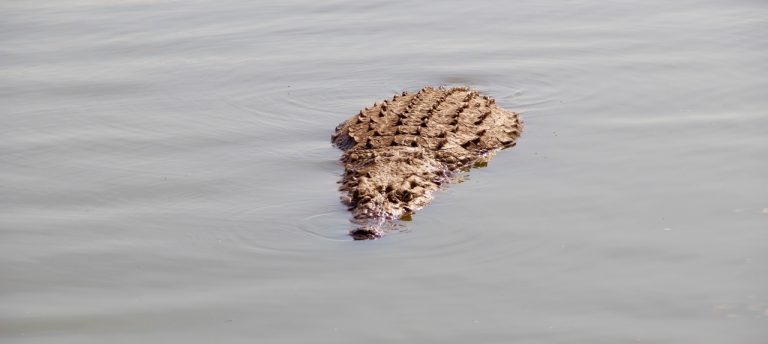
[
  {"x": 327, "y": 226},
  {"x": 290, "y": 108},
  {"x": 518, "y": 90}
]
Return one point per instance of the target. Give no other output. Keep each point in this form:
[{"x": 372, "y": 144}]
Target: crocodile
[{"x": 399, "y": 151}]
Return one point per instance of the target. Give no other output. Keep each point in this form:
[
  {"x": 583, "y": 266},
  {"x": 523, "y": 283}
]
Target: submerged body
[{"x": 399, "y": 151}]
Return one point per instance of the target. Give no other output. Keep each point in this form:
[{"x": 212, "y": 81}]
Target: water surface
[{"x": 167, "y": 174}]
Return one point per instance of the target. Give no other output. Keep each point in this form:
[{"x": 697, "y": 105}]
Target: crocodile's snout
[{"x": 365, "y": 233}]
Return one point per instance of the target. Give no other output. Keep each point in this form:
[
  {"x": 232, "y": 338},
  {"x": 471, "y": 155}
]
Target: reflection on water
[{"x": 167, "y": 173}]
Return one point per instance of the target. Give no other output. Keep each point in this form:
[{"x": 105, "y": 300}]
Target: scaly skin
[{"x": 399, "y": 151}]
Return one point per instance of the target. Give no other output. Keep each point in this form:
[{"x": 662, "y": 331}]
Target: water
[{"x": 167, "y": 174}]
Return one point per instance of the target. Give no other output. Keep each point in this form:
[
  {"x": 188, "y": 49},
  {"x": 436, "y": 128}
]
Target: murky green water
[{"x": 166, "y": 173}]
